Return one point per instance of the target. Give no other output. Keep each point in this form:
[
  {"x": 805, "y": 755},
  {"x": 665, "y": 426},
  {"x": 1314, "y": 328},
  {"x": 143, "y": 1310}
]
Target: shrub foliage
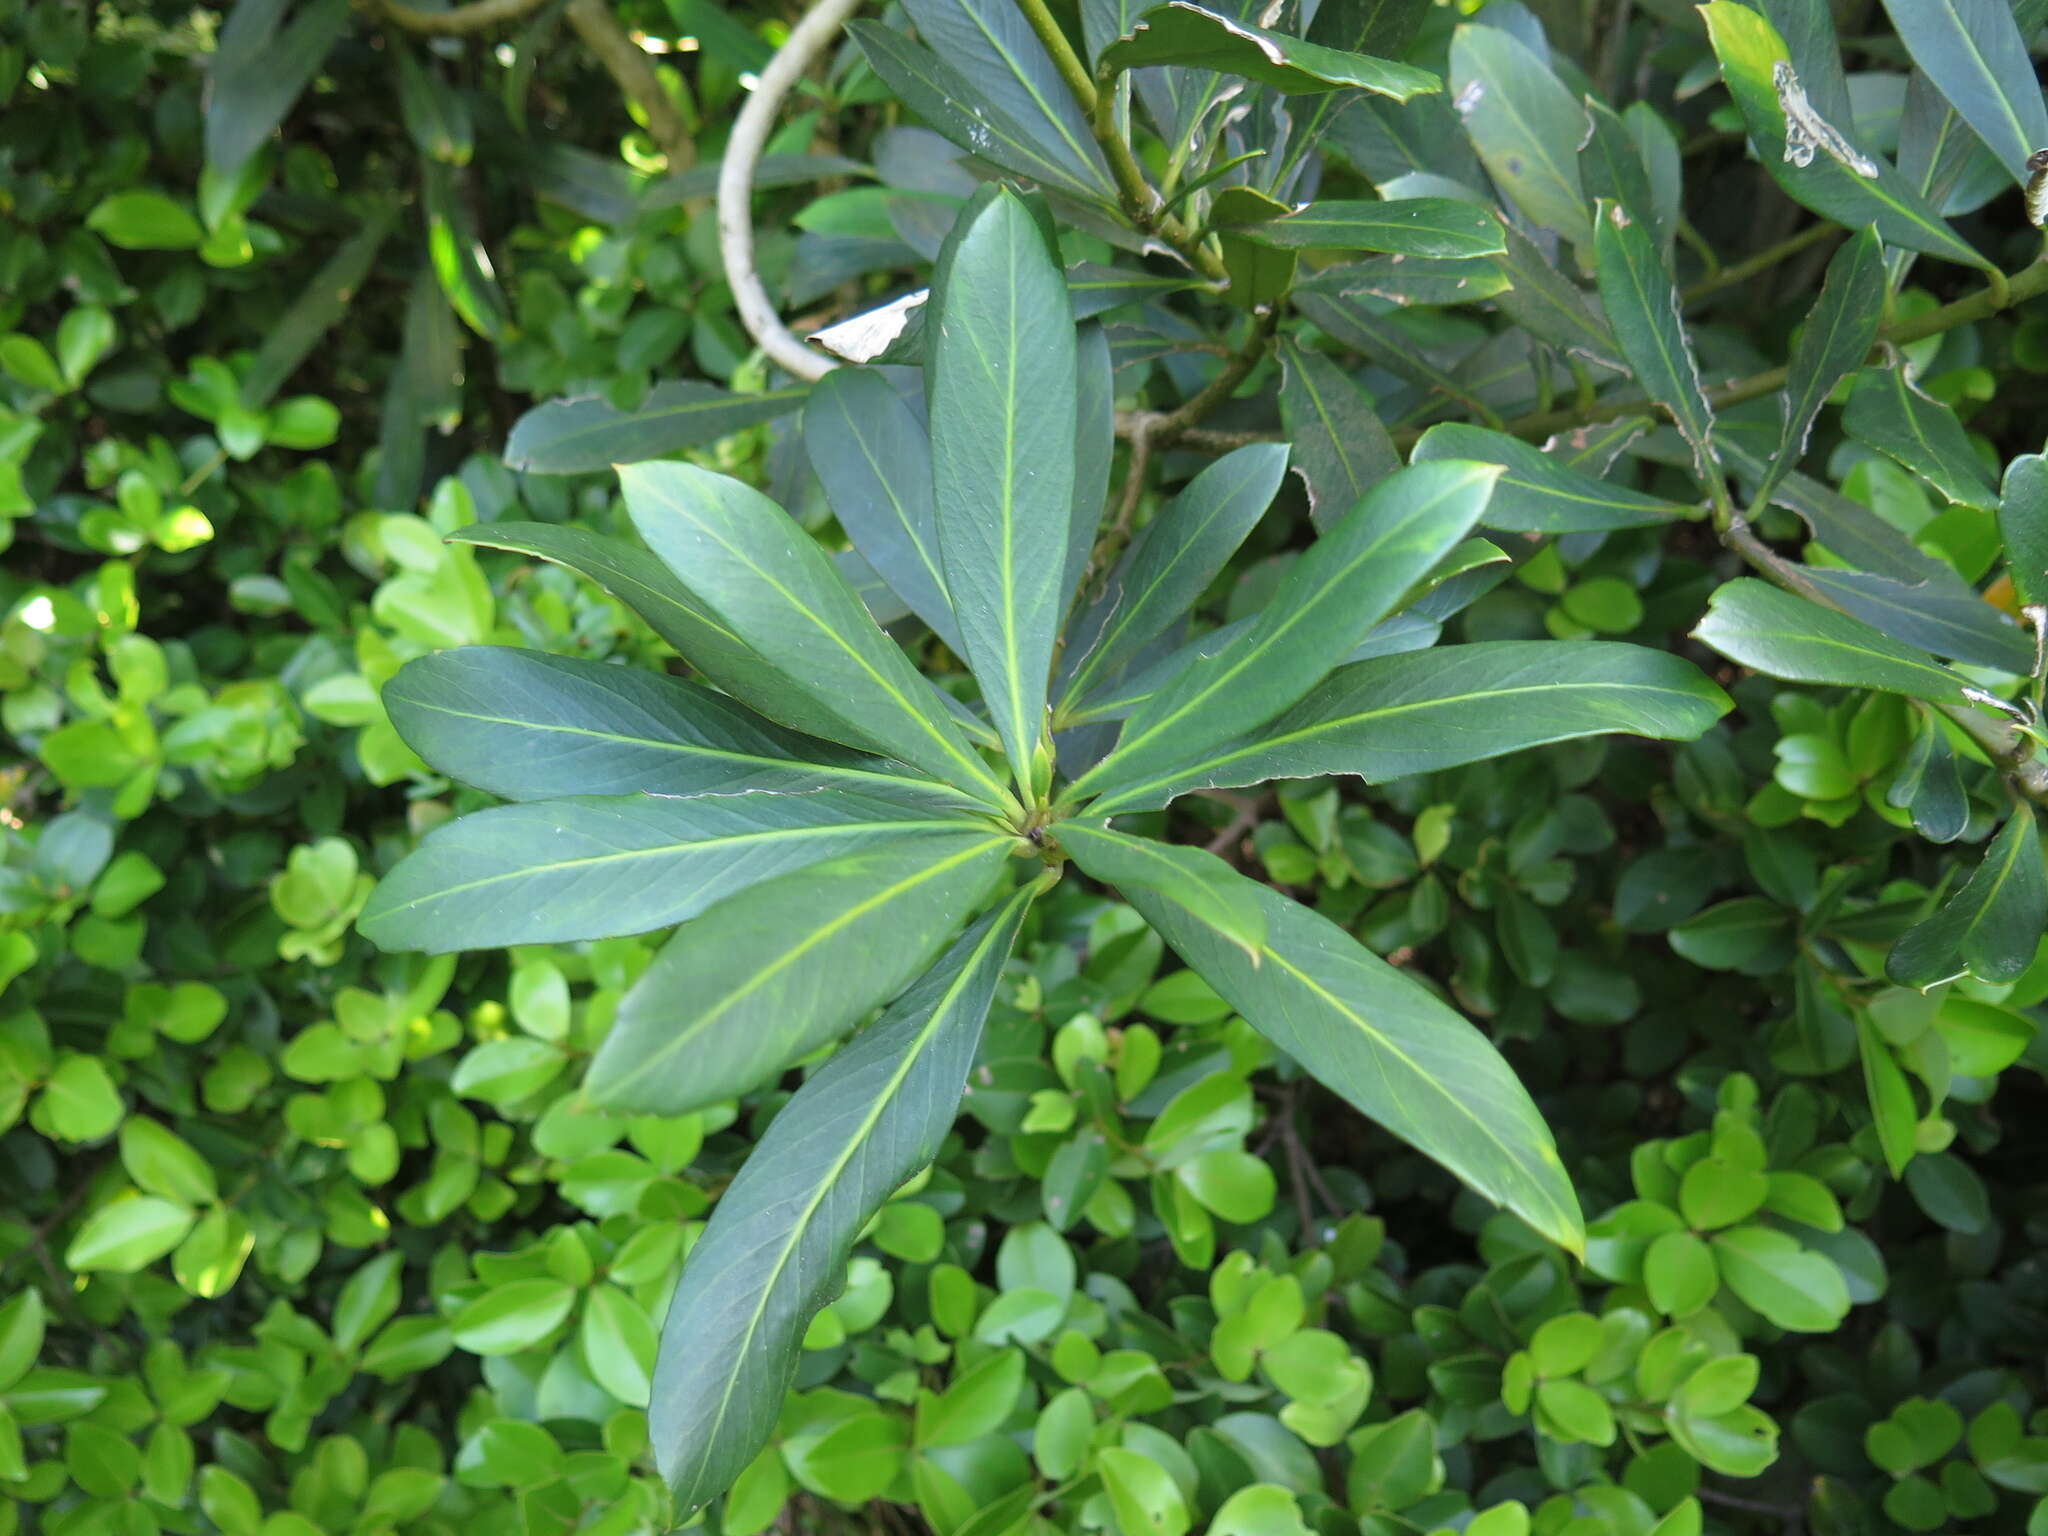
[{"x": 1327, "y": 828}]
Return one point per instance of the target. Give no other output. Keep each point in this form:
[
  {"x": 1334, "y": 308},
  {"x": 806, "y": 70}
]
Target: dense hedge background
[{"x": 303, "y": 1238}]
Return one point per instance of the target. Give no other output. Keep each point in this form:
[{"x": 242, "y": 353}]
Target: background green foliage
[{"x": 305, "y": 1238}]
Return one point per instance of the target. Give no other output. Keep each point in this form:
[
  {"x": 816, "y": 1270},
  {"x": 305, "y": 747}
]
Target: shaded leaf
[
  {"x": 776, "y": 1249},
  {"x": 1973, "y": 51},
  {"x": 1833, "y": 344},
  {"x": 1187, "y": 34},
  {"x": 573, "y": 437},
  {"x": 1538, "y": 494},
  {"x": 1782, "y": 635},
  {"x": 1525, "y": 125},
  {"x": 1409, "y": 226},
  {"x": 1641, "y": 300},
  {"x": 1893, "y": 417},
  {"x": 1341, "y": 450},
  {"x": 1991, "y": 927}
]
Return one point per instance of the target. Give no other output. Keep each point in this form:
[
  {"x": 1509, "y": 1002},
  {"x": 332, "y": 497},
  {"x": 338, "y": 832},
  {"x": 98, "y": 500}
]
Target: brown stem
[
  {"x": 477, "y": 16},
  {"x": 627, "y": 64}
]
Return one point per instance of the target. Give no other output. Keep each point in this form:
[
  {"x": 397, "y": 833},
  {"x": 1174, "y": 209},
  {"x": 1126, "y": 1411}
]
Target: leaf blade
[
  {"x": 586, "y": 433},
  {"x": 778, "y": 1242},
  {"x": 1424, "y": 711},
  {"x": 1973, "y": 52},
  {"x": 771, "y": 974},
  {"x": 1383, "y": 1044},
  {"x": 1776, "y": 633},
  {"x": 1002, "y": 421},
  {"x": 1837, "y": 338},
  {"x": 1641, "y": 300}
]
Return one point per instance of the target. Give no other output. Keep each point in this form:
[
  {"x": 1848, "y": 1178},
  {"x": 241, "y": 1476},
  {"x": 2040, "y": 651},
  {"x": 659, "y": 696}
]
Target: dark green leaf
[
  {"x": 525, "y": 725},
  {"x": 1973, "y": 51},
  {"x": 1340, "y": 587},
  {"x": 644, "y": 584},
  {"x": 1843, "y": 182},
  {"x": 875, "y": 460},
  {"x": 1382, "y": 1043},
  {"x": 1173, "y": 560},
  {"x": 1182, "y": 33},
  {"x": 573, "y": 437},
  {"x": 1341, "y": 450},
  {"x": 1433, "y": 709},
  {"x": 1551, "y": 306},
  {"x": 1409, "y": 226},
  {"x": 1207, "y": 890},
  {"x": 1002, "y": 424},
  {"x": 1642, "y": 302},
  {"x": 992, "y": 46},
  {"x": 1526, "y": 126},
  {"x": 777, "y": 971},
  {"x": 1992, "y": 926},
  {"x": 1833, "y": 344},
  {"x": 2023, "y": 524},
  {"x": 1946, "y": 617},
  {"x": 589, "y": 867},
  {"x": 326, "y": 299},
  {"x": 777, "y": 1246},
  {"x": 943, "y": 97},
  {"x": 1094, "y": 451},
  {"x": 1537, "y": 493},
  {"x": 260, "y": 65},
  {"x": 740, "y": 557},
  {"x": 1783, "y": 635},
  {"x": 1893, "y": 417}
]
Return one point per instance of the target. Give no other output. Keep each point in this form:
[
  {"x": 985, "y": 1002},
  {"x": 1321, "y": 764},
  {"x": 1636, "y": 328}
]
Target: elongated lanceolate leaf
[
  {"x": 261, "y": 65},
  {"x": 1947, "y": 618},
  {"x": 572, "y": 437},
  {"x": 773, "y": 973},
  {"x": 1641, "y": 300},
  {"x": 526, "y": 725},
  {"x": 2023, "y": 524},
  {"x": 1834, "y": 343},
  {"x": 1539, "y": 494},
  {"x": 1525, "y": 125},
  {"x": 875, "y": 461},
  {"x": 1781, "y": 635},
  {"x": 992, "y": 46},
  {"x": 946, "y": 99},
  {"x": 1173, "y": 560},
  {"x": 645, "y": 585},
  {"x": 1893, "y": 417},
  {"x": 767, "y": 582},
  {"x": 1383, "y": 1044},
  {"x": 1339, "y": 588},
  {"x": 1433, "y": 709},
  {"x": 1209, "y": 891},
  {"x": 1408, "y": 226},
  {"x": 1990, "y": 928},
  {"x": 1094, "y": 451},
  {"x": 292, "y": 338},
  {"x": 1972, "y": 50},
  {"x": 595, "y": 867},
  {"x": 1550, "y": 306},
  {"x": 1830, "y": 181},
  {"x": 776, "y": 1249},
  {"x": 1181, "y": 33},
  {"x": 1002, "y": 422},
  {"x": 1341, "y": 448}
]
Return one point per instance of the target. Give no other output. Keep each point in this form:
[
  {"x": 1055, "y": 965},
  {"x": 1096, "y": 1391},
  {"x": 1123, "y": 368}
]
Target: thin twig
[
  {"x": 627, "y": 64},
  {"x": 1762, "y": 261},
  {"x": 477, "y": 16}
]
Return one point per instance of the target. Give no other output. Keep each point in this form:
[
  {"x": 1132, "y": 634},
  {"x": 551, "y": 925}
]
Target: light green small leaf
[
  {"x": 145, "y": 221},
  {"x": 619, "y": 1344},
  {"x": 128, "y": 1235},
  {"x": 1800, "y": 1291},
  {"x": 163, "y": 1163},
  {"x": 21, "y": 1336},
  {"x": 1143, "y": 1494},
  {"x": 516, "y": 1315}
]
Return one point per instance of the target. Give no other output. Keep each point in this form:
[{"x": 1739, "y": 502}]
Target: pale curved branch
[
  {"x": 736, "y": 186},
  {"x": 476, "y": 16}
]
